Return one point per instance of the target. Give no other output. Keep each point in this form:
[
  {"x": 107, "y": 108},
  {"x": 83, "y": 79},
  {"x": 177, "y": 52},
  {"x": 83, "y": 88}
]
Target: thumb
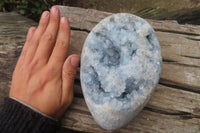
[{"x": 68, "y": 75}]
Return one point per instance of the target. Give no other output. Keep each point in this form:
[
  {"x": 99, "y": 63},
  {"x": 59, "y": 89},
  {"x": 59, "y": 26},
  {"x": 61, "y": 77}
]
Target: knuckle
[
  {"x": 51, "y": 69},
  {"x": 28, "y": 41},
  {"x": 34, "y": 62},
  {"x": 29, "y": 73},
  {"x": 48, "y": 37},
  {"x": 43, "y": 22},
  {"x": 50, "y": 72},
  {"x": 38, "y": 83},
  {"x": 54, "y": 19},
  {"x": 69, "y": 75},
  {"x": 32, "y": 66},
  {"x": 61, "y": 43}
]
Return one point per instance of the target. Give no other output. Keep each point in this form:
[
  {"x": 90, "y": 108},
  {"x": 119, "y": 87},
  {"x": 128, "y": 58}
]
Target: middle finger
[{"x": 48, "y": 39}]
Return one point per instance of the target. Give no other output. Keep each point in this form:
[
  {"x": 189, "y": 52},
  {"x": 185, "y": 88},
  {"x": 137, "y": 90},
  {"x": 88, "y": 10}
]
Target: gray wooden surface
[{"x": 175, "y": 105}]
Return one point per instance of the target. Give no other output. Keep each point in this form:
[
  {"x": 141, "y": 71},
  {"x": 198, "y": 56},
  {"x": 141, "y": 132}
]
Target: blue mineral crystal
[{"x": 120, "y": 68}]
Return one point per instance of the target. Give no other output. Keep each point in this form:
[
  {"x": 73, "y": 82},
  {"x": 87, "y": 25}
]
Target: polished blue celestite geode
[{"x": 120, "y": 68}]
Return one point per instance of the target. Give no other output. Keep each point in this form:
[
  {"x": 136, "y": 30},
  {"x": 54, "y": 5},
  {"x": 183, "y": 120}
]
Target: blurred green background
[{"x": 156, "y": 9}]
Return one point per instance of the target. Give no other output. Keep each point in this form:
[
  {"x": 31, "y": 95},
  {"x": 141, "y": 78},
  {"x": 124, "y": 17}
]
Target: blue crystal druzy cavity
[{"x": 120, "y": 68}]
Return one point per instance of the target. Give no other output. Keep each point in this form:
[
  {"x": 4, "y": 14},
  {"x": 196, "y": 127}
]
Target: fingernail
[
  {"x": 54, "y": 9},
  {"x": 75, "y": 61},
  {"x": 45, "y": 14},
  {"x": 63, "y": 20}
]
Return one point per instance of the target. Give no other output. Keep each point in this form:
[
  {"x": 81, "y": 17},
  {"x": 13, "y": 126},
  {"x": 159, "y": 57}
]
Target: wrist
[
  {"x": 32, "y": 108},
  {"x": 17, "y": 118}
]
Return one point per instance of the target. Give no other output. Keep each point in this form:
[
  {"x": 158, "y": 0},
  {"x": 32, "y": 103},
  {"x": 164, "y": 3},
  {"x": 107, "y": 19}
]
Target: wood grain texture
[{"x": 175, "y": 105}]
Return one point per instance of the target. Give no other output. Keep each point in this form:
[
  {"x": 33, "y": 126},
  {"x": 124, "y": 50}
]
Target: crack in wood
[
  {"x": 185, "y": 65},
  {"x": 77, "y": 81},
  {"x": 168, "y": 60},
  {"x": 80, "y": 111},
  {"x": 161, "y": 30},
  {"x": 78, "y": 29},
  {"x": 181, "y": 114},
  {"x": 180, "y": 64},
  {"x": 176, "y": 32},
  {"x": 194, "y": 39},
  {"x": 175, "y": 85},
  {"x": 193, "y": 57},
  {"x": 78, "y": 95}
]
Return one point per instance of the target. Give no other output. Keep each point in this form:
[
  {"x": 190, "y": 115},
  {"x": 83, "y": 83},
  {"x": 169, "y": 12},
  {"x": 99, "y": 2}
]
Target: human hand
[{"x": 43, "y": 77}]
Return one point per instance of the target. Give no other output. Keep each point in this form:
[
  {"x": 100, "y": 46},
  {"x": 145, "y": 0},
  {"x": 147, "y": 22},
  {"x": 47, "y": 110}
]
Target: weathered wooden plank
[
  {"x": 86, "y": 19},
  {"x": 175, "y": 105},
  {"x": 76, "y": 41}
]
